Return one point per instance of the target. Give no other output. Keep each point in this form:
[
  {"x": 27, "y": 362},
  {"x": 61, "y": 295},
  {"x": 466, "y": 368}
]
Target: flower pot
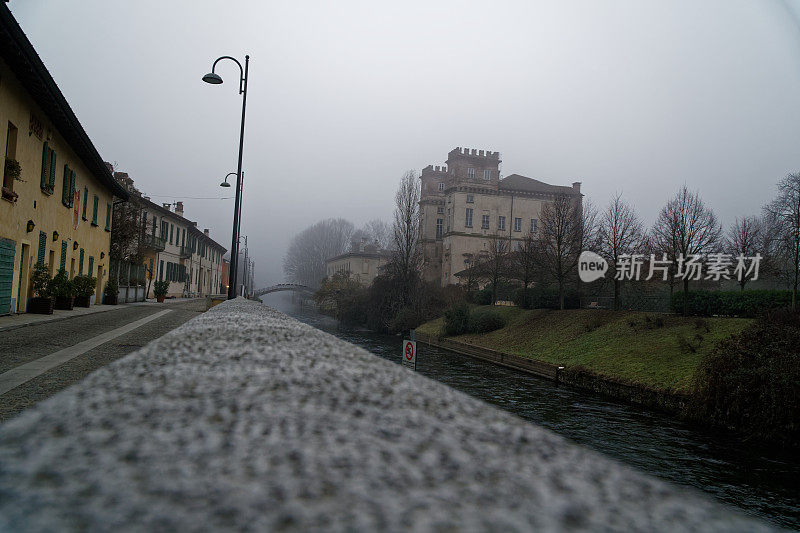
[
  {"x": 109, "y": 299},
  {"x": 65, "y": 303},
  {"x": 160, "y": 299},
  {"x": 83, "y": 301},
  {"x": 41, "y": 305}
]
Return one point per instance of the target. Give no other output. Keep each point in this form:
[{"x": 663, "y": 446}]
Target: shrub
[
  {"x": 61, "y": 286},
  {"x": 112, "y": 288},
  {"x": 751, "y": 381},
  {"x": 160, "y": 288},
  {"x": 484, "y": 321},
  {"x": 730, "y": 303},
  {"x": 456, "y": 320},
  {"x": 405, "y": 319},
  {"x": 40, "y": 280},
  {"x": 84, "y": 285},
  {"x": 545, "y": 298},
  {"x": 482, "y": 297}
]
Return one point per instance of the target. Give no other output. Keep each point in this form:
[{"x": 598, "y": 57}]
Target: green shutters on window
[
  {"x": 63, "y": 263},
  {"x": 42, "y": 247},
  {"x": 72, "y": 188},
  {"x": 45, "y": 159},
  {"x": 80, "y": 263},
  {"x": 95, "y": 202},
  {"x": 85, "y": 201},
  {"x": 65, "y": 187},
  {"x": 108, "y": 217},
  {"x": 91, "y": 266},
  {"x": 171, "y": 230},
  {"x": 52, "y": 170}
]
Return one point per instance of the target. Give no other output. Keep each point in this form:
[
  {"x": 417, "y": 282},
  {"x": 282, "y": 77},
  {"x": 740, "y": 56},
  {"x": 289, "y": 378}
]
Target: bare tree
[
  {"x": 406, "y": 262},
  {"x": 685, "y": 227},
  {"x": 525, "y": 260},
  {"x": 377, "y": 230},
  {"x": 304, "y": 262},
  {"x": 566, "y": 227},
  {"x": 745, "y": 237},
  {"x": 496, "y": 264},
  {"x": 783, "y": 214},
  {"x": 620, "y": 232}
]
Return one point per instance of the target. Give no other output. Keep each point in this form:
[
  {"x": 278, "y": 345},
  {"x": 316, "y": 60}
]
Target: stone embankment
[{"x": 244, "y": 418}]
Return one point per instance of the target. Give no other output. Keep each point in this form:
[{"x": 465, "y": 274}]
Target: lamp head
[
  {"x": 225, "y": 183},
  {"x": 214, "y": 79}
]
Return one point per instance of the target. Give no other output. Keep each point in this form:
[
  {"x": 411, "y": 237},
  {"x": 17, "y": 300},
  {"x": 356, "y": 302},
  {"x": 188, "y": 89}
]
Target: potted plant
[
  {"x": 160, "y": 289},
  {"x": 63, "y": 290},
  {"x": 84, "y": 288},
  {"x": 12, "y": 171},
  {"x": 42, "y": 302},
  {"x": 111, "y": 293}
]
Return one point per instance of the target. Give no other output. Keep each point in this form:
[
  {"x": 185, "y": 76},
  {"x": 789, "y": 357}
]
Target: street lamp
[
  {"x": 215, "y": 79},
  {"x": 225, "y": 183}
]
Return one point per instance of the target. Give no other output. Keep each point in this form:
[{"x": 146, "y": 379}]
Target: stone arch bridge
[{"x": 284, "y": 287}]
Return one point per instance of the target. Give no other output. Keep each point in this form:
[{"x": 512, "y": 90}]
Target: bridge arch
[{"x": 284, "y": 287}]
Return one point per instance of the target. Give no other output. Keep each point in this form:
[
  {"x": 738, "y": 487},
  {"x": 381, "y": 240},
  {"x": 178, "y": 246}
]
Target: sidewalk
[{"x": 29, "y": 319}]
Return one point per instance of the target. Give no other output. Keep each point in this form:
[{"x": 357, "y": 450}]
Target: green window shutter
[
  {"x": 96, "y": 200},
  {"x": 85, "y": 201},
  {"x": 65, "y": 187},
  {"x": 45, "y": 157},
  {"x": 91, "y": 266},
  {"x": 171, "y": 229},
  {"x": 42, "y": 247},
  {"x": 53, "y": 170},
  {"x": 80, "y": 263},
  {"x": 63, "y": 263},
  {"x": 72, "y": 189},
  {"x": 108, "y": 216}
]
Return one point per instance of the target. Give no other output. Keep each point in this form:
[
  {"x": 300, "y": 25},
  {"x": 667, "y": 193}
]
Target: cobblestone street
[{"x": 28, "y": 345}]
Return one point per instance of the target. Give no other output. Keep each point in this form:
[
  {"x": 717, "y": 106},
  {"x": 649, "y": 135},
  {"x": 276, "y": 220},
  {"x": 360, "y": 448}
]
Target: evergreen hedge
[{"x": 730, "y": 303}]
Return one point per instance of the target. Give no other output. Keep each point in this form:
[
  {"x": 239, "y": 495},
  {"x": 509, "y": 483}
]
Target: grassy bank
[{"x": 661, "y": 352}]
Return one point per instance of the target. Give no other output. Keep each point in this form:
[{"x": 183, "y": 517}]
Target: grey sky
[{"x": 638, "y": 96}]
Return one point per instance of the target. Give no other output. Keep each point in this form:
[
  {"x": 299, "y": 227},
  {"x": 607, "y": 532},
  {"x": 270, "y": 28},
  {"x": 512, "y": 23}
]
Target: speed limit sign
[{"x": 410, "y": 353}]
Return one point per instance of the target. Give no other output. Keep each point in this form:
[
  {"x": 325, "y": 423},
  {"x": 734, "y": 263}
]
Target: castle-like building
[{"x": 464, "y": 203}]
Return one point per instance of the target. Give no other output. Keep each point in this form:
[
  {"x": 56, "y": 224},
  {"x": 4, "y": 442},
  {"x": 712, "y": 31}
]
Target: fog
[{"x": 633, "y": 96}]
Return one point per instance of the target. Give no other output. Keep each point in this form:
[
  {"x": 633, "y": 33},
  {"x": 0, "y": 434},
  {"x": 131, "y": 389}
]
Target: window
[
  {"x": 468, "y": 222},
  {"x": 72, "y": 188},
  {"x": 42, "y": 247},
  {"x": 90, "y": 271},
  {"x": 11, "y": 153},
  {"x": 534, "y": 225},
  {"x": 108, "y": 217},
  {"x": 45, "y": 181},
  {"x": 161, "y": 271},
  {"x": 155, "y": 223},
  {"x": 164, "y": 229},
  {"x": 470, "y": 198},
  {"x": 439, "y": 227},
  {"x": 183, "y": 237},
  {"x": 63, "y": 263},
  {"x": 487, "y": 174},
  {"x": 501, "y": 222},
  {"x": 440, "y": 210},
  {"x": 517, "y": 224},
  {"x": 85, "y": 201},
  {"x": 80, "y": 263},
  {"x": 65, "y": 186},
  {"x": 471, "y": 173},
  {"x": 441, "y": 185},
  {"x": 171, "y": 230},
  {"x": 485, "y": 222},
  {"x": 95, "y": 202}
]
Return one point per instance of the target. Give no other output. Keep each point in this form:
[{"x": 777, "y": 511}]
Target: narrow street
[{"x": 39, "y": 360}]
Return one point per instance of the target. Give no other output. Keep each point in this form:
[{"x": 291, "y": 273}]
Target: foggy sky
[{"x": 633, "y": 96}]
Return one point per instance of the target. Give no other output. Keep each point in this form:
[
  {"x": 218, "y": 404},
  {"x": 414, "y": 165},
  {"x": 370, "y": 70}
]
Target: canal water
[{"x": 759, "y": 481}]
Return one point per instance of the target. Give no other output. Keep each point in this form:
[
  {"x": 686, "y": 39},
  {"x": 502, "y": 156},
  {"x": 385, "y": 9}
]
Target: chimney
[
  {"x": 577, "y": 186},
  {"x": 179, "y": 208},
  {"x": 166, "y": 206},
  {"x": 205, "y": 232}
]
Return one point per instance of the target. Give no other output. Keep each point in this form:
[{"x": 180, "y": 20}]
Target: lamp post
[
  {"x": 216, "y": 79},
  {"x": 237, "y": 222}
]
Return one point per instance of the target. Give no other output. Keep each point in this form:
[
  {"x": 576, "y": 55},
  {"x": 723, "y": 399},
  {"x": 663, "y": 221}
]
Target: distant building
[
  {"x": 57, "y": 193},
  {"x": 465, "y": 202},
  {"x": 363, "y": 262}
]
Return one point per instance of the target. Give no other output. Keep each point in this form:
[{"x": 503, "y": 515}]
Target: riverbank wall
[{"x": 575, "y": 377}]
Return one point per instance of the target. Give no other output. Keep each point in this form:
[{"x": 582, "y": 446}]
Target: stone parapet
[{"x": 246, "y": 419}]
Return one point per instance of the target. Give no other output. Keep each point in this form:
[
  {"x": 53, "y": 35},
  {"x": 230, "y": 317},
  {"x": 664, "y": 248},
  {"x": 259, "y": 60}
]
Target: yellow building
[
  {"x": 58, "y": 209},
  {"x": 362, "y": 263}
]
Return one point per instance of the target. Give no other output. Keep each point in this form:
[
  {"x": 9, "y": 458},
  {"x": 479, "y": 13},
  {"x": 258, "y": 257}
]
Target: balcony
[
  {"x": 186, "y": 252},
  {"x": 157, "y": 244}
]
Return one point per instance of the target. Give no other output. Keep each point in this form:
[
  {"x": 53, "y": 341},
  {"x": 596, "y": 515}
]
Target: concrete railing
[{"x": 244, "y": 418}]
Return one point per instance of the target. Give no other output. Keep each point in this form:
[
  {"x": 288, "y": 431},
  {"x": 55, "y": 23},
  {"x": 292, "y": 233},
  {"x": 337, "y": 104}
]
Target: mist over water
[{"x": 757, "y": 480}]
